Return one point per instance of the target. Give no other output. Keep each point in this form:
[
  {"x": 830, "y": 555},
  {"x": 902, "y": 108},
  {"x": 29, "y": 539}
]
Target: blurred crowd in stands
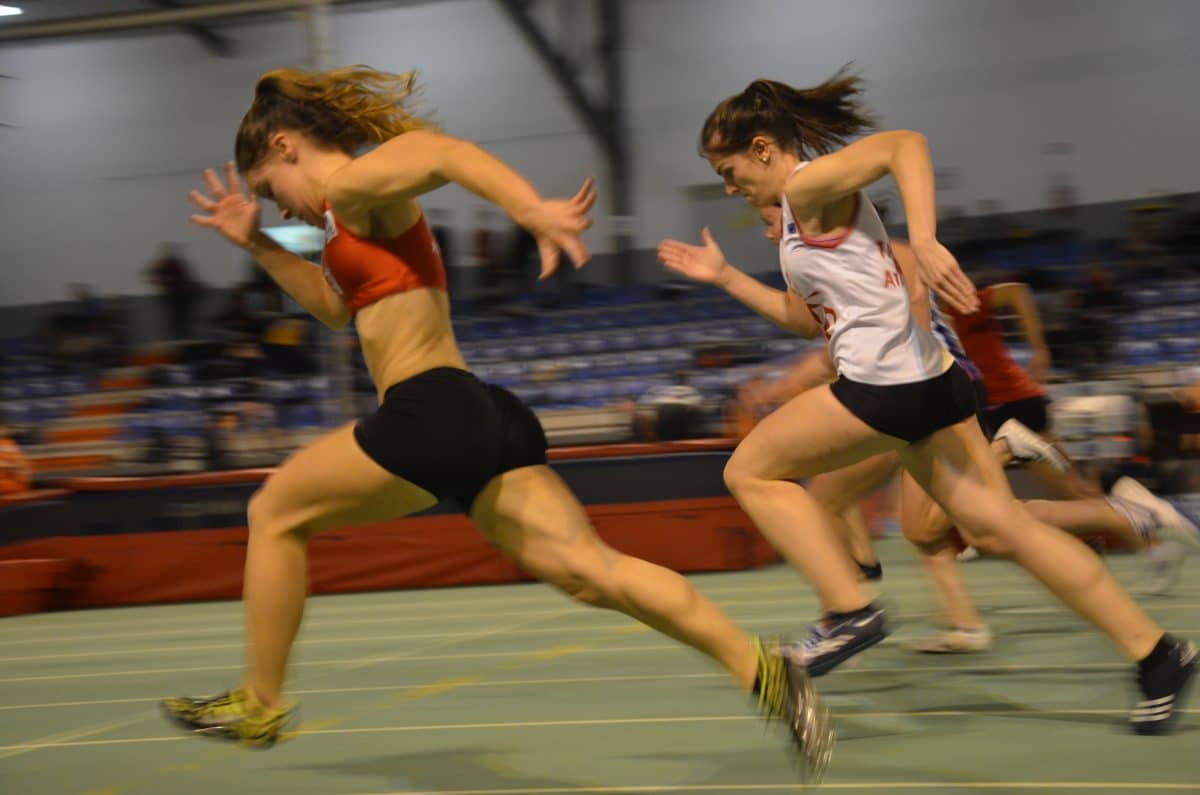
[{"x": 243, "y": 369}]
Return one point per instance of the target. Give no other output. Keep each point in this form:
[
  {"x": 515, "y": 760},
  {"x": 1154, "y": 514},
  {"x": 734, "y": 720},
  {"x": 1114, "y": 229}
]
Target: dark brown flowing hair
[
  {"x": 346, "y": 109},
  {"x": 807, "y": 121}
]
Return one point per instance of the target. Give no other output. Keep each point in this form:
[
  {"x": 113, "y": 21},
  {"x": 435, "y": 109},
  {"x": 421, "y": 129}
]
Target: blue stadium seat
[
  {"x": 556, "y": 346},
  {"x": 526, "y": 349}
]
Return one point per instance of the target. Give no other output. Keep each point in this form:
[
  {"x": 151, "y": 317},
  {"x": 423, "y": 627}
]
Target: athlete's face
[
  {"x": 753, "y": 174},
  {"x": 279, "y": 181},
  {"x": 281, "y": 177},
  {"x": 772, "y": 218}
]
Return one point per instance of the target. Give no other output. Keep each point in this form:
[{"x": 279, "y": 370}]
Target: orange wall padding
[{"x": 710, "y": 534}]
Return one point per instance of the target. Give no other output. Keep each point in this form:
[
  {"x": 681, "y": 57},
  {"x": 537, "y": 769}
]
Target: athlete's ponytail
[
  {"x": 810, "y": 121},
  {"x": 346, "y": 108}
]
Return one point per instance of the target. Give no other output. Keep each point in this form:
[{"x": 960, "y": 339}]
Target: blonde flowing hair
[{"x": 346, "y": 108}]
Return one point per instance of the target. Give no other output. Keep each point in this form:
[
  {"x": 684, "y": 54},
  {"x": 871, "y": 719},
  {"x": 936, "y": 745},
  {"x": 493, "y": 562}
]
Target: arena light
[{"x": 10, "y": 11}]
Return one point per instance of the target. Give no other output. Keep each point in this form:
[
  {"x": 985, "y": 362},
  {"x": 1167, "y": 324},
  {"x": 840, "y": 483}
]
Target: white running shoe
[
  {"x": 1172, "y": 522},
  {"x": 1027, "y": 447},
  {"x": 967, "y": 555},
  {"x": 1164, "y": 563},
  {"x": 956, "y": 640}
]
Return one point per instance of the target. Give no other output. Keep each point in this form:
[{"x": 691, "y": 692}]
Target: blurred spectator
[
  {"x": 117, "y": 327},
  {"x": 670, "y": 411},
  {"x": 219, "y": 440},
  {"x": 525, "y": 261},
  {"x": 444, "y": 237},
  {"x": 1144, "y": 243},
  {"x": 262, "y": 294},
  {"x": 1058, "y": 309},
  {"x": 442, "y": 233},
  {"x": 239, "y": 362},
  {"x": 1182, "y": 234},
  {"x": 77, "y": 336},
  {"x": 496, "y": 273},
  {"x": 237, "y": 320},
  {"x": 16, "y": 473},
  {"x": 1098, "y": 304},
  {"x": 285, "y": 346},
  {"x": 178, "y": 290}
]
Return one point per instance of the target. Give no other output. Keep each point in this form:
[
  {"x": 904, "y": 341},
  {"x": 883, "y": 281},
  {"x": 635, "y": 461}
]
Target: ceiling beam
[
  {"x": 604, "y": 117},
  {"x": 208, "y": 37},
  {"x": 145, "y": 19}
]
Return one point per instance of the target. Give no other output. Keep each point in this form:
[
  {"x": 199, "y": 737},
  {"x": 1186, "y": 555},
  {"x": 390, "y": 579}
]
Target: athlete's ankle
[
  {"x": 256, "y": 701},
  {"x": 834, "y": 616}
]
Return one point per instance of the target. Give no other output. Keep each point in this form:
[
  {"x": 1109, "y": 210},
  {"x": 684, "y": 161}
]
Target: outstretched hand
[
  {"x": 941, "y": 273},
  {"x": 704, "y": 263},
  {"x": 557, "y": 225},
  {"x": 226, "y": 208}
]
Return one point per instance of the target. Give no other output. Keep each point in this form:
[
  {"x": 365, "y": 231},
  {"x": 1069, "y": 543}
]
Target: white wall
[
  {"x": 989, "y": 83},
  {"x": 112, "y": 131}
]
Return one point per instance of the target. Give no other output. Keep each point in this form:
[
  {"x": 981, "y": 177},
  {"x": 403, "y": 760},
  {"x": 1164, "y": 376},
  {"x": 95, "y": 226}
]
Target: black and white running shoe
[
  {"x": 831, "y": 642},
  {"x": 1164, "y": 689}
]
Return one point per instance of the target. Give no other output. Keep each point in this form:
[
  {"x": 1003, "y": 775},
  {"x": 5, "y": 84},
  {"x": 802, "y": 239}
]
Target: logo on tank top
[
  {"x": 892, "y": 275},
  {"x": 330, "y": 226},
  {"x": 329, "y": 278},
  {"x": 331, "y": 232},
  {"x": 825, "y": 316}
]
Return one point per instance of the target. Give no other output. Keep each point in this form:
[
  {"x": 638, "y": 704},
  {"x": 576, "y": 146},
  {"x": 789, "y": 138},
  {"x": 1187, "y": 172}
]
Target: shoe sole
[
  {"x": 216, "y": 733},
  {"x": 841, "y": 655},
  {"x": 1164, "y": 726},
  {"x": 949, "y": 649},
  {"x": 1181, "y": 527},
  {"x": 1055, "y": 457},
  {"x": 816, "y": 737}
]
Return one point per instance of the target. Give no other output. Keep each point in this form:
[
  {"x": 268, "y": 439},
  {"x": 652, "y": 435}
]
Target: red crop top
[{"x": 364, "y": 270}]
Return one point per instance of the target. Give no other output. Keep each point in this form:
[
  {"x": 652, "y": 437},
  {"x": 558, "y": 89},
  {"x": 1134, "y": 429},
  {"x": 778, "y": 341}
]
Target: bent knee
[
  {"x": 741, "y": 473},
  {"x": 924, "y": 534},
  {"x": 996, "y": 532},
  {"x": 268, "y": 513}
]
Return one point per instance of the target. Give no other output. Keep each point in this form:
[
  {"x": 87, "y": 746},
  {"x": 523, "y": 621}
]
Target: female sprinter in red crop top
[{"x": 439, "y": 432}]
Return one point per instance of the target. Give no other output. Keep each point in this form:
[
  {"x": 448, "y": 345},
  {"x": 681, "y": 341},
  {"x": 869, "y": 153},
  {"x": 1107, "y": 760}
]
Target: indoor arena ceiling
[{"x": 44, "y": 11}]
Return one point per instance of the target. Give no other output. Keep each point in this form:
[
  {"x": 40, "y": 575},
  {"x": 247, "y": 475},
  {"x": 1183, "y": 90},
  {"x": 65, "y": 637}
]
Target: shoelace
[
  {"x": 226, "y": 699},
  {"x": 816, "y": 636},
  {"x": 1142, "y": 519}
]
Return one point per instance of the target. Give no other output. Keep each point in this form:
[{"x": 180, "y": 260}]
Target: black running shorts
[
  {"x": 449, "y": 433},
  {"x": 910, "y": 411},
  {"x": 980, "y": 408}
]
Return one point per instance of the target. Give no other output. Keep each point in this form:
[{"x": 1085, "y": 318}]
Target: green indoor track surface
[{"x": 515, "y": 689}]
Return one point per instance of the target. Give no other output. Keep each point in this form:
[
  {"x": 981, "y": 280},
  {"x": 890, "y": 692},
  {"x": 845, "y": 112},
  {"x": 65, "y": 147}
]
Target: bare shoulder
[{"x": 395, "y": 219}]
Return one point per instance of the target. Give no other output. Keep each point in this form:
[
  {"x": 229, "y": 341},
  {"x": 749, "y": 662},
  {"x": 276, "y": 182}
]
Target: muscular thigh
[
  {"x": 841, "y": 488},
  {"x": 922, "y": 520},
  {"x": 530, "y": 515},
  {"x": 810, "y": 434},
  {"x": 956, "y": 468},
  {"x": 333, "y": 482}
]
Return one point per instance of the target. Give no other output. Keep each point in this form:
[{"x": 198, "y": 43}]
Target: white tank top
[
  {"x": 853, "y": 287},
  {"x": 943, "y": 329}
]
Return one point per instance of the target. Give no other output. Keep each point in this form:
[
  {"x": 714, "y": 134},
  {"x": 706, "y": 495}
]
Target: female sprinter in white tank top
[
  {"x": 898, "y": 389},
  {"x": 922, "y": 521}
]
